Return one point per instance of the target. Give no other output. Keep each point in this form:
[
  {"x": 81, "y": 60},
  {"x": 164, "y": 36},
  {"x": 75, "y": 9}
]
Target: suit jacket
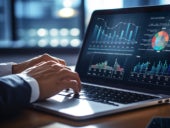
[{"x": 14, "y": 94}]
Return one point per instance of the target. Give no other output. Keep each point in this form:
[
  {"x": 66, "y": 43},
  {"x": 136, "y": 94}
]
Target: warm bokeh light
[{"x": 66, "y": 12}]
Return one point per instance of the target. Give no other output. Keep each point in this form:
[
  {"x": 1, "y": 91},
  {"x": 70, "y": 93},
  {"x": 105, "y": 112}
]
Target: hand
[
  {"x": 18, "y": 68},
  {"x": 53, "y": 77}
]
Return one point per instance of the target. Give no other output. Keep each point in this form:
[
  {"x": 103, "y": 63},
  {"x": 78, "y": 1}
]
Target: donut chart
[{"x": 160, "y": 40}]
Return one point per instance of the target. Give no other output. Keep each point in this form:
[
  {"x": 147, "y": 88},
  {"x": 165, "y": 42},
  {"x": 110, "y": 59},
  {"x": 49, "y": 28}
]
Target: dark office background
[{"x": 32, "y": 27}]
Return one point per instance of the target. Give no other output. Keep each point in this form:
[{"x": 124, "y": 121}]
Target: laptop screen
[{"x": 128, "y": 46}]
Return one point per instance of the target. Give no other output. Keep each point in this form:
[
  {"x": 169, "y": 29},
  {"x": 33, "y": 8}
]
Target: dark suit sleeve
[{"x": 14, "y": 94}]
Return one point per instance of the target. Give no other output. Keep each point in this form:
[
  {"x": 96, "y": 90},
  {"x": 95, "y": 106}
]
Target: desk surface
[{"x": 133, "y": 119}]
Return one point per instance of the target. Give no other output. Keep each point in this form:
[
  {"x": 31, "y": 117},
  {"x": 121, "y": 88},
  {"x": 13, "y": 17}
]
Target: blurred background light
[
  {"x": 64, "y": 42},
  {"x": 74, "y": 32},
  {"x": 64, "y": 32},
  {"x": 54, "y": 42},
  {"x": 67, "y": 12},
  {"x": 42, "y": 32},
  {"x": 75, "y": 42},
  {"x": 42, "y": 43},
  {"x": 53, "y": 32}
]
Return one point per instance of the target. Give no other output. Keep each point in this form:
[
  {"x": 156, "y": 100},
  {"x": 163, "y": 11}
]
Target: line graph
[
  {"x": 112, "y": 36},
  {"x": 122, "y": 31}
]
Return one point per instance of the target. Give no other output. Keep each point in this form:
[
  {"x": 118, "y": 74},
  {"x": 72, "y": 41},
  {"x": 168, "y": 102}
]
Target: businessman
[{"x": 33, "y": 80}]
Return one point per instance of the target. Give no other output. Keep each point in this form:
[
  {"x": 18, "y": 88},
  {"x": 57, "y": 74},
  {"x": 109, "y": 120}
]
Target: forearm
[{"x": 9, "y": 68}]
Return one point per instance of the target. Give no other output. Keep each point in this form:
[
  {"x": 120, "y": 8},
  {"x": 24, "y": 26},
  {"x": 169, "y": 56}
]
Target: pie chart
[{"x": 160, "y": 40}]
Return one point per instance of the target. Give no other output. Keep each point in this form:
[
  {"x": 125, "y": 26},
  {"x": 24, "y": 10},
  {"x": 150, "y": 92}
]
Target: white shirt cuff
[
  {"x": 6, "y": 68},
  {"x": 35, "y": 92}
]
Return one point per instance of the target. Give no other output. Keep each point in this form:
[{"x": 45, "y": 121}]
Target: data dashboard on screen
[{"x": 131, "y": 47}]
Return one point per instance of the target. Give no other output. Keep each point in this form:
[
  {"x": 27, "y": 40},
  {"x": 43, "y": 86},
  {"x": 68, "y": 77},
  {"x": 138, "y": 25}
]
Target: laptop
[{"x": 124, "y": 64}]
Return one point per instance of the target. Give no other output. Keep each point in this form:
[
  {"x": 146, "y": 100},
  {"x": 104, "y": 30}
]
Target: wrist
[
  {"x": 17, "y": 68},
  {"x": 35, "y": 92},
  {"x": 14, "y": 68}
]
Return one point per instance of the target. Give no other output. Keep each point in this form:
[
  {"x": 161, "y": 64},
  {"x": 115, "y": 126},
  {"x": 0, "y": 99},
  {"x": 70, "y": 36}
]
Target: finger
[
  {"x": 68, "y": 74},
  {"x": 65, "y": 74},
  {"x": 40, "y": 58},
  {"x": 47, "y": 64},
  {"x": 39, "y": 64},
  {"x": 60, "y": 76},
  {"x": 61, "y": 61},
  {"x": 71, "y": 84},
  {"x": 49, "y": 57},
  {"x": 58, "y": 66},
  {"x": 41, "y": 67}
]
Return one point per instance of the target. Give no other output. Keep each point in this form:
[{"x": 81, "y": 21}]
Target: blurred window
[
  {"x": 100, "y": 4},
  {"x": 52, "y": 23},
  {"x": 48, "y": 23}
]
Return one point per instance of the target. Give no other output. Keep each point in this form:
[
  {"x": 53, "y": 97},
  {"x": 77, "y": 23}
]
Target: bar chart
[
  {"x": 157, "y": 73},
  {"x": 158, "y": 69},
  {"x": 119, "y": 36},
  {"x": 107, "y": 69},
  {"x": 120, "y": 32}
]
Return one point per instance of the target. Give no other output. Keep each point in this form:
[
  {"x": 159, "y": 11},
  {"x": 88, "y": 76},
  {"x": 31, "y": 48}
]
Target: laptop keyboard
[{"x": 108, "y": 96}]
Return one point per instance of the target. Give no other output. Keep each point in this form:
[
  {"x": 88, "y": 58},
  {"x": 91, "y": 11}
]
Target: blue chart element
[
  {"x": 156, "y": 69},
  {"x": 126, "y": 32}
]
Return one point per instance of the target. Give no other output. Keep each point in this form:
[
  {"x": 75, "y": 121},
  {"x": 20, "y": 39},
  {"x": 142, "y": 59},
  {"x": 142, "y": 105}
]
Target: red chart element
[{"x": 160, "y": 40}]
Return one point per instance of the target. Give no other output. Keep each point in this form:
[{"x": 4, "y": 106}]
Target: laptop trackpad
[{"x": 72, "y": 107}]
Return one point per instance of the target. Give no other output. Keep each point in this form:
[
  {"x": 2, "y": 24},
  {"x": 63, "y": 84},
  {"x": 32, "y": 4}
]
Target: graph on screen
[
  {"x": 110, "y": 68},
  {"x": 157, "y": 72},
  {"x": 119, "y": 36},
  {"x": 156, "y": 35},
  {"x": 160, "y": 40},
  {"x": 120, "y": 32},
  {"x": 156, "y": 68}
]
